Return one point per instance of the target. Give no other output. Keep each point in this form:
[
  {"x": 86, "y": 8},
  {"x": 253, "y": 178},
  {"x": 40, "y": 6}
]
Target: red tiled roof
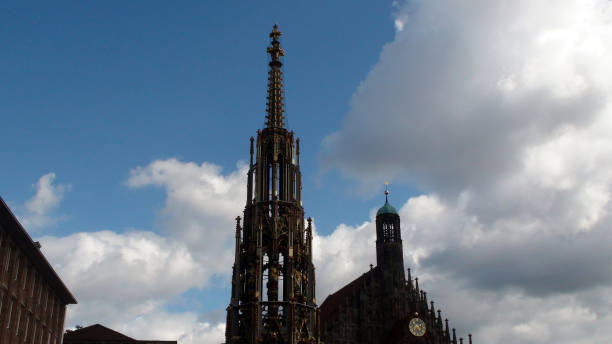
[{"x": 97, "y": 332}]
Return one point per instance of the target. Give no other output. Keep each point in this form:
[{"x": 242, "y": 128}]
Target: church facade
[
  {"x": 273, "y": 279},
  {"x": 382, "y": 305}
]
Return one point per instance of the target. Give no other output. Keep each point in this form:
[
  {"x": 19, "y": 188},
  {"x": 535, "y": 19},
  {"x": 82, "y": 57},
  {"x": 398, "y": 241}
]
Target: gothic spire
[{"x": 275, "y": 104}]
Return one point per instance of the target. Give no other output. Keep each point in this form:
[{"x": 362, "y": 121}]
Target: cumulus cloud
[
  {"x": 152, "y": 268},
  {"x": 201, "y": 204},
  {"x": 342, "y": 256},
  {"x": 159, "y": 324},
  {"x": 126, "y": 280},
  {"x": 38, "y": 210},
  {"x": 475, "y": 90},
  {"x": 501, "y": 112}
]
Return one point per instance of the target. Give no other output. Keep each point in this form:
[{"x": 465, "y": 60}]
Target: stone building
[
  {"x": 273, "y": 281},
  {"x": 33, "y": 298},
  {"x": 382, "y": 305},
  {"x": 98, "y": 334}
]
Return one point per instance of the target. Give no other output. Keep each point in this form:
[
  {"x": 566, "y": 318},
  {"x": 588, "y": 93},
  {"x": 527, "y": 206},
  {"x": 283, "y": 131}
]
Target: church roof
[
  {"x": 329, "y": 307},
  {"x": 101, "y": 334},
  {"x": 97, "y": 332},
  {"x": 386, "y": 209}
]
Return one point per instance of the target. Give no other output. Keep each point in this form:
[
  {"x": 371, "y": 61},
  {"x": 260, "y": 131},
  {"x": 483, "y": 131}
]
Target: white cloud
[
  {"x": 399, "y": 24},
  {"x": 200, "y": 207},
  {"x": 127, "y": 280},
  {"x": 136, "y": 267},
  {"x": 185, "y": 327},
  {"x": 47, "y": 198},
  {"x": 502, "y": 113},
  {"x": 342, "y": 256}
]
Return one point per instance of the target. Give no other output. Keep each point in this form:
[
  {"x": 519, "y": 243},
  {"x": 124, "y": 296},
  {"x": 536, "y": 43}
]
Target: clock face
[{"x": 417, "y": 327}]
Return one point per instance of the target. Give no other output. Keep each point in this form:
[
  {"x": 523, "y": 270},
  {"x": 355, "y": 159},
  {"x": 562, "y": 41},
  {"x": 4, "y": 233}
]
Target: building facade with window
[{"x": 33, "y": 298}]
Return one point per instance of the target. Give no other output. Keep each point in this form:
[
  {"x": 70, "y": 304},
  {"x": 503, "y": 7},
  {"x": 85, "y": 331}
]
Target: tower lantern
[{"x": 389, "y": 252}]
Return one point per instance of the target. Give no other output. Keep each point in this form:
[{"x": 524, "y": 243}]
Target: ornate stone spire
[
  {"x": 275, "y": 104},
  {"x": 273, "y": 291}
]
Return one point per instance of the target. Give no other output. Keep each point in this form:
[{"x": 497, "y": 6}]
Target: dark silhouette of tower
[
  {"x": 381, "y": 306},
  {"x": 273, "y": 281},
  {"x": 389, "y": 252}
]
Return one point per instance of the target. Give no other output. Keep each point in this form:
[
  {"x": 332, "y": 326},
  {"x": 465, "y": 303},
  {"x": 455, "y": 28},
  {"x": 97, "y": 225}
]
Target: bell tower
[
  {"x": 389, "y": 252},
  {"x": 273, "y": 280}
]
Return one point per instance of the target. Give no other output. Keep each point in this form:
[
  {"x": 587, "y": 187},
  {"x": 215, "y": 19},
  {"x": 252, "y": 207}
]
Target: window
[
  {"x": 8, "y": 258},
  {"x": 10, "y": 311},
  {"x": 34, "y": 277},
  {"x": 270, "y": 181},
  {"x": 1, "y": 304},
  {"x": 17, "y": 261},
  {"x": 52, "y": 308},
  {"x": 46, "y": 298},
  {"x": 281, "y": 177},
  {"x": 26, "y": 328},
  {"x": 265, "y": 278},
  {"x": 34, "y": 333},
  {"x": 18, "y": 319},
  {"x": 41, "y": 335},
  {"x": 59, "y": 316},
  {"x": 40, "y": 288},
  {"x": 25, "y": 275}
]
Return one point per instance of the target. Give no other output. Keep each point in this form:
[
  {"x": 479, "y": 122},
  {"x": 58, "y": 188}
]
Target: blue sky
[
  {"x": 94, "y": 89},
  {"x": 126, "y": 125}
]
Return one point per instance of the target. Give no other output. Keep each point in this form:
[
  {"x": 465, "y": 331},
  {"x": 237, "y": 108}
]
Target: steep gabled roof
[
  {"x": 22, "y": 239},
  {"x": 97, "y": 332},
  {"x": 329, "y": 307}
]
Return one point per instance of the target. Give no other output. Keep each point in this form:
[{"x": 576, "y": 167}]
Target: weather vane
[{"x": 386, "y": 191}]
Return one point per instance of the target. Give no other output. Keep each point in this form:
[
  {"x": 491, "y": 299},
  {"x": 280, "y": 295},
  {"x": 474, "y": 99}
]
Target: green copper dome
[{"x": 386, "y": 209}]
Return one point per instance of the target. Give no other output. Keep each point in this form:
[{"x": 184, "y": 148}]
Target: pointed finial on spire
[
  {"x": 238, "y": 226},
  {"x": 275, "y": 34},
  {"x": 386, "y": 192},
  {"x": 251, "y": 151},
  {"x": 275, "y": 105}
]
